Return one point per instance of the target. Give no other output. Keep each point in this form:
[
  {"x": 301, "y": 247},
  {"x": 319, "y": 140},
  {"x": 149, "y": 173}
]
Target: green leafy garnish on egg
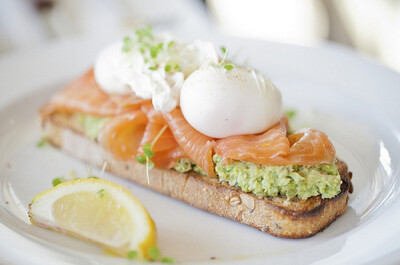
[
  {"x": 127, "y": 44},
  {"x": 145, "y": 33}
]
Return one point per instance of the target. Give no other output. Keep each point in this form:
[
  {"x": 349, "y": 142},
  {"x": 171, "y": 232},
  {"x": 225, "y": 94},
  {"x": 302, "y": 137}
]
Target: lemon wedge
[{"x": 99, "y": 211}]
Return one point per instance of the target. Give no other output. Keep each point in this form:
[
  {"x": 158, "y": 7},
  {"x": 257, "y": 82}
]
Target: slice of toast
[{"x": 274, "y": 215}]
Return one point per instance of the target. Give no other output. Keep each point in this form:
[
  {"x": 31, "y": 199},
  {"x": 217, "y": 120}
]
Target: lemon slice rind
[{"x": 42, "y": 212}]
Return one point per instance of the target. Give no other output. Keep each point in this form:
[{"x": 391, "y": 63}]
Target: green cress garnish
[
  {"x": 132, "y": 255},
  {"x": 154, "y": 50},
  {"x": 57, "y": 181},
  {"x": 167, "y": 260},
  {"x": 222, "y": 62},
  {"x": 177, "y": 67},
  {"x": 100, "y": 193},
  {"x": 148, "y": 153},
  {"x": 145, "y": 33},
  {"x": 73, "y": 176},
  {"x": 149, "y": 48},
  {"x": 154, "y": 253},
  {"x": 127, "y": 44},
  {"x": 41, "y": 143},
  {"x": 290, "y": 113}
]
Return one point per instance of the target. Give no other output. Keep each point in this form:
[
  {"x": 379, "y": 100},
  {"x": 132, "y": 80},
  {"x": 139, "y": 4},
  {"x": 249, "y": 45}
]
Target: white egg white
[{"x": 220, "y": 103}]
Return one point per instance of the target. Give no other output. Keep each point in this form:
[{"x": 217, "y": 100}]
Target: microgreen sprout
[
  {"x": 100, "y": 193},
  {"x": 290, "y": 113},
  {"x": 168, "y": 68},
  {"x": 170, "y": 44},
  {"x": 103, "y": 169},
  {"x": 177, "y": 67},
  {"x": 144, "y": 33},
  {"x": 42, "y": 143},
  {"x": 73, "y": 175},
  {"x": 57, "y": 181},
  {"x": 154, "y": 50},
  {"x": 225, "y": 50},
  {"x": 148, "y": 153},
  {"x": 127, "y": 44},
  {"x": 223, "y": 60},
  {"x": 132, "y": 255},
  {"x": 89, "y": 171},
  {"x": 167, "y": 260},
  {"x": 147, "y": 150},
  {"x": 154, "y": 253},
  {"x": 152, "y": 68}
]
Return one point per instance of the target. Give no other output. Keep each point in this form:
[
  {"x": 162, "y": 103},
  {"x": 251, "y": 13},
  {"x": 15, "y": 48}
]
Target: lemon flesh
[{"x": 99, "y": 211}]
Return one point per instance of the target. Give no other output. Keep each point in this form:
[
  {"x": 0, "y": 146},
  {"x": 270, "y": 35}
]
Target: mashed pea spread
[
  {"x": 289, "y": 180},
  {"x": 91, "y": 124},
  {"x": 186, "y": 165}
]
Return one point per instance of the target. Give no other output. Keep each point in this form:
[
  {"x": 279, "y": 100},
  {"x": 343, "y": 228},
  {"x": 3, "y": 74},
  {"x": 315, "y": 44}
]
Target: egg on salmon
[{"x": 220, "y": 102}]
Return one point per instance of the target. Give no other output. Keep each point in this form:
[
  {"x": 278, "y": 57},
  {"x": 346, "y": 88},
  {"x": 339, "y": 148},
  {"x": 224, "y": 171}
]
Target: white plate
[{"x": 353, "y": 100}]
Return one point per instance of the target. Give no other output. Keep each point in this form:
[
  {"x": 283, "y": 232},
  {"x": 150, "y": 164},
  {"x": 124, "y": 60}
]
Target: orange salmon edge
[{"x": 266, "y": 144}]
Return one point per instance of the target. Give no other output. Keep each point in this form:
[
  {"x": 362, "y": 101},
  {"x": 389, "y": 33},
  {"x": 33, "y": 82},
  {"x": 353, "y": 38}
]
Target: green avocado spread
[
  {"x": 288, "y": 180},
  {"x": 185, "y": 165},
  {"x": 91, "y": 124}
]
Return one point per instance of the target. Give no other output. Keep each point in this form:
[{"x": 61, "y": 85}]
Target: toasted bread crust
[{"x": 274, "y": 215}]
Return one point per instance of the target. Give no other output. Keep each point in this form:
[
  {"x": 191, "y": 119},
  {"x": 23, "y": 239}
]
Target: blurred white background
[{"x": 371, "y": 27}]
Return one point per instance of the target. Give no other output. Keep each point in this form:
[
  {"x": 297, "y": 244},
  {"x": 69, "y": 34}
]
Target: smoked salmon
[
  {"x": 303, "y": 147},
  {"x": 122, "y": 134},
  {"x": 85, "y": 96},
  {"x": 310, "y": 147},
  {"x": 197, "y": 146},
  {"x": 166, "y": 150},
  {"x": 259, "y": 149}
]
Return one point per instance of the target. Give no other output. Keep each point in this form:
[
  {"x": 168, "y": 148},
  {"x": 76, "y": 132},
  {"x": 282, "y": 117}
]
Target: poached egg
[
  {"x": 219, "y": 102},
  {"x": 154, "y": 68}
]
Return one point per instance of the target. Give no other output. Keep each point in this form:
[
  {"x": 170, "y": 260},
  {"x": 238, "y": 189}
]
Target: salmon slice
[
  {"x": 166, "y": 150},
  {"x": 259, "y": 149},
  {"x": 303, "y": 147},
  {"x": 166, "y": 159},
  {"x": 156, "y": 123},
  {"x": 122, "y": 134},
  {"x": 85, "y": 96},
  {"x": 196, "y": 145},
  {"x": 310, "y": 147}
]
